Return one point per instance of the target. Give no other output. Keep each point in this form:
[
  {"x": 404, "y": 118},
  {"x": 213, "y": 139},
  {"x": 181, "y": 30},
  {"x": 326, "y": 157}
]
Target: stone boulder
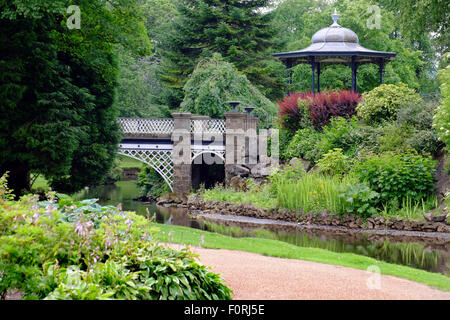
[
  {"x": 437, "y": 218},
  {"x": 262, "y": 170},
  {"x": 172, "y": 197},
  {"x": 238, "y": 171}
]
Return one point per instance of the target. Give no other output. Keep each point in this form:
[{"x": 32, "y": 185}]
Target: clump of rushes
[{"x": 314, "y": 192}]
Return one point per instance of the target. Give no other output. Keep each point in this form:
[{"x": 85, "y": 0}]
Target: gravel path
[{"x": 252, "y": 277}]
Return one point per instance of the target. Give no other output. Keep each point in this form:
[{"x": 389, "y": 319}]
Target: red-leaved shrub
[
  {"x": 322, "y": 107},
  {"x": 290, "y": 115},
  {"x": 327, "y": 105}
]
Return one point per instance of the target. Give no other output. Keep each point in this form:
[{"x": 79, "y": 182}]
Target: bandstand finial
[{"x": 335, "y": 17}]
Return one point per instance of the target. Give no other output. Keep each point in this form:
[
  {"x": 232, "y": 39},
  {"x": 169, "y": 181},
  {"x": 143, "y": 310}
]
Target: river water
[{"x": 428, "y": 255}]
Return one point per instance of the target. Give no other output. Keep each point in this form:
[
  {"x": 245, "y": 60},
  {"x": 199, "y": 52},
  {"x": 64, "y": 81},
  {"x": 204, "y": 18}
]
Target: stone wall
[{"x": 433, "y": 224}]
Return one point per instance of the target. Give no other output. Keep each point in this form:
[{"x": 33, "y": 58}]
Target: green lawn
[
  {"x": 126, "y": 162},
  {"x": 40, "y": 184},
  {"x": 274, "y": 248}
]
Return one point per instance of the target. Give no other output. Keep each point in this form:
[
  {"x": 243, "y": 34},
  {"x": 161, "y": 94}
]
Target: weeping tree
[
  {"x": 240, "y": 31},
  {"x": 214, "y": 82},
  {"x": 57, "y": 89}
]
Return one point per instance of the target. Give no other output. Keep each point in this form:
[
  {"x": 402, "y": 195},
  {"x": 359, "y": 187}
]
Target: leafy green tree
[
  {"x": 138, "y": 87},
  {"x": 214, "y": 82},
  {"x": 441, "y": 120},
  {"x": 417, "y": 17},
  {"x": 238, "y": 30},
  {"x": 57, "y": 88}
]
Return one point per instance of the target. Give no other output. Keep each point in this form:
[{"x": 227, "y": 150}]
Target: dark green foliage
[
  {"x": 151, "y": 182},
  {"x": 312, "y": 145},
  {"x": 419, "y": 17},
  {"x": 57, "y": 88},
  {"x": 360, "y": 200},
  {"x": 138, "y": 87},
  {"x": 238, "y": 30},
  {"x": 303, "y": 145},
  {"x": 399, "y": 176}
]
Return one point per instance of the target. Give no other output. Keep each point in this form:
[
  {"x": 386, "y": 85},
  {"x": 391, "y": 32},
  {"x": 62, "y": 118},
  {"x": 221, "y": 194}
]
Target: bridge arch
[
  {"x": 208, "y": 174},
  {"x": 159, "y": 160},
  {"x": 219, "y": 154}
]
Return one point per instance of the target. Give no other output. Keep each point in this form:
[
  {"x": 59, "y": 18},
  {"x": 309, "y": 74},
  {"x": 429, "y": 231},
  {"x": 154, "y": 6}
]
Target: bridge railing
[
  {"x": 208, "y": 125},
  {"x": 136, "y": 126}
]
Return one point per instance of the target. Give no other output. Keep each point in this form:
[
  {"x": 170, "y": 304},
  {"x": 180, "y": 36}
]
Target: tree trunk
[{"x": 18, "y": 177}]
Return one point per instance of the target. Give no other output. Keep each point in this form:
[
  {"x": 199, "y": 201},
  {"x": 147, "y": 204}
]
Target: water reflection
[{"x": 435, "y": 258}]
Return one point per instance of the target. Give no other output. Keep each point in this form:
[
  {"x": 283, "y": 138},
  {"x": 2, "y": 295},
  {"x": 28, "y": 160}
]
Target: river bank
[{"x": 432, "y": 225}]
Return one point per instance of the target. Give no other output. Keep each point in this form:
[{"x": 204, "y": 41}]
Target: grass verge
[{"x": 274, "y": 248}]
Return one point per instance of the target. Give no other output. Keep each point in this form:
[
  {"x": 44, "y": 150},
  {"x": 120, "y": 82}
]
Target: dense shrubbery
[
  {"x": 151, "y": 182},
  {"x": 312, "y": 145},
  {"x": 383, "y": 102},
  {"x": 391, "y": 143},
  {"x": 328, "y": 105},
  {"x": 399, "y": 175},
  {"x": 334, "y": 162},
  {"x": 80, "y": 250},
  {"x": 294, "y": 111}
]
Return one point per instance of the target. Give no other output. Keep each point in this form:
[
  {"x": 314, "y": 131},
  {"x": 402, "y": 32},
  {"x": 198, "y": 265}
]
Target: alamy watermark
[
  {"x": 240, "y": 147},
  {"x": 74, "y": 21},
  {"x": 374, "y": 280},
  {"x": 374, "y": 20}
]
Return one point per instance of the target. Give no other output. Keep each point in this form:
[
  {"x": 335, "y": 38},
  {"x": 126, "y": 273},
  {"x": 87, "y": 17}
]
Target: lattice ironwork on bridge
[
  {"x": 142, "y": 127},
  {"x": 130, "y": 126},
  {"x": 160, "y": 160},
  {"x": 208, "y": 125},
  {"x": 146, "y": 140}
]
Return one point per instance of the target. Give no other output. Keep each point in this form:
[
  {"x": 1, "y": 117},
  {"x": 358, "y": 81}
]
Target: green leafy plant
[
  {"x": 399, "y": 176},
  {"x": 304, "y": 145},
  {"x": 360, "y": 200},
  {"x": 151, "y": 182},
  {"x": 5, "y": 192},
  {"x": 79, "y": 250},
  {"x": 292, "y": 172},
  {"x": 334, "y": 162}
]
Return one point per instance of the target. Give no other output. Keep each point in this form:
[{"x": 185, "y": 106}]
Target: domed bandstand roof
[{"x": 335, "y": 45}]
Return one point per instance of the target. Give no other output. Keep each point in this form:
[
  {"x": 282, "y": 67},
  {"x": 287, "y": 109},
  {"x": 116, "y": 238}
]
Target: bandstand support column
[
  {"x": 318, "y": 76},
  {"x": 381, "y": 66},
  {"x": 354, "y": 67}
]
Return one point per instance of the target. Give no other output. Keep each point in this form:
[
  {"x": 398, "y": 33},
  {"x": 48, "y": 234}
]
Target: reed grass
[{"x": 313, "y": 192}]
